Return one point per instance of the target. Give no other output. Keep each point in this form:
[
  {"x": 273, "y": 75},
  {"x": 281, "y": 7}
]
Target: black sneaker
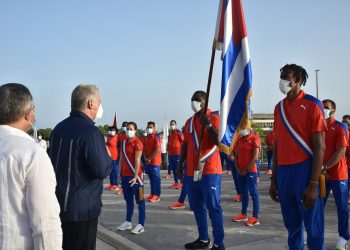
[
  {"x": 197, "y": 244},
  {"x": 217, "y": 248}
]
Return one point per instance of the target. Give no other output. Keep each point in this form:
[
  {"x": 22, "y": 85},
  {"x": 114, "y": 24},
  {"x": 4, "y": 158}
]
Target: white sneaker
[
  {"x": 341, "y": 244},
  {"x": 126, "y": 225},
  {"x": 138, "y": 229}
]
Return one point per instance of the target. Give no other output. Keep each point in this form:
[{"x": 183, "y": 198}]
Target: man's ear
[{"x": 89, "y": 104}]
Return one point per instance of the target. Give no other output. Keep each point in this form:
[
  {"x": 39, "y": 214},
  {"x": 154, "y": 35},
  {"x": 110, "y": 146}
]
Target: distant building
[{"x": 263, "y": 121}]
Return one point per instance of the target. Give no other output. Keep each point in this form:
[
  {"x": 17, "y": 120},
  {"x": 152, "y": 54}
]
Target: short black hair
[
  {"x": 133, "y": 124},
  {"x": 151, "y": 123},
  {"x": 299, "y": 73},
  {"x": 173, "y": 121},
  {"x": 346, "y": 117},
  {"x": 15, "y": 102},
  {"x": 111, "y": 128},
  {"x": 201, "y": 94},
  {"x": 334, "y": 106},
  {"x": 124, "y": 124}
]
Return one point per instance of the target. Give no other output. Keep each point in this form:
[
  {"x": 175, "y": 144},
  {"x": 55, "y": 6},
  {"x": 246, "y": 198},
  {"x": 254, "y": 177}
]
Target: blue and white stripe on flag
[{"x": 236, "y": 71}]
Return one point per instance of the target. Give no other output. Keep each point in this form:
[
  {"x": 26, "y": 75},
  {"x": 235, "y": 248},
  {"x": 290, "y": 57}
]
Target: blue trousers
[
  {"x": 205, "y": 196},
  {"x": 234, "y": 173},
  {"x": 113, "y": 177},
  {"x": 249, "y": 183},
  {"x": 349, "y": 179},
  {"x": 269, "y": 159},
  {"x": 183, "y": 193},
  {"x": 340, "y": 193},
  {"x": 173, "y": 161},
  {"x": 129, "y": 194},
  {"x": 153, "y": 173},
  {"x": 292, "y": 180},
  {"x": 223, "y": 158}
]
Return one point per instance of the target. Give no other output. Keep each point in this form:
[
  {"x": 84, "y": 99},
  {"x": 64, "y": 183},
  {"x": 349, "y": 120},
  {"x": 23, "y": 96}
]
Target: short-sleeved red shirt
[
  {"x": 112, "y": 142},
  {"x": 151, "y": 143},
  {"x": 133, "y": 145},
  {"x": 336, "y": 136},
  {"x": 348, "y": 151},
  {"x": 213, "y": 164},
  {"x": 305, "y": 115},
  {"x": 175, "y": 140},
  {"x": 245, "y": 147},
  {"x": 270, "y": 140}
]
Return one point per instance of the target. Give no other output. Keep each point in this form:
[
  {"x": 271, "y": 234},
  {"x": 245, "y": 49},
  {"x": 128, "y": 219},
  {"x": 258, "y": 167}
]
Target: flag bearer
[
  {"x": 336, "y": 170},
  {"x": 298, "y": 156},
  {"x": 132, "y": 179},
  {"x": 204, "y": 184}
]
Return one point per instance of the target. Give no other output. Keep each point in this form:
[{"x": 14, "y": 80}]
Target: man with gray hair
[
  {"x": 28, "y": 206},
  {"x": 81, "y": 162}
]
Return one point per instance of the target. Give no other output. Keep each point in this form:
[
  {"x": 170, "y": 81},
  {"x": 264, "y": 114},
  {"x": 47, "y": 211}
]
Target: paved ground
[
  {"x": 101, "y": 245},
  {"x": 168, "y": 229}
]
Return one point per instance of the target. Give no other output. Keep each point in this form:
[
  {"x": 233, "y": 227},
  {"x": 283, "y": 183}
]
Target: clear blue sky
[{"x": 148, "y": 57}]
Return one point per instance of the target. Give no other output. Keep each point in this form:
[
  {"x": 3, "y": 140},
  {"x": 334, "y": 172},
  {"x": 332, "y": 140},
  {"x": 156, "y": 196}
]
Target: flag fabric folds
[
  {"x": 236, "y": 83},
  {"x": 115, "y": 121}
]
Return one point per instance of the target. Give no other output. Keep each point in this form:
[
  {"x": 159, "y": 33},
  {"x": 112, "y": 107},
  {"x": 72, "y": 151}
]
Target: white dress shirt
[
  {"x": 29, "y": 211},
  {"x": 43, "y": 144}
]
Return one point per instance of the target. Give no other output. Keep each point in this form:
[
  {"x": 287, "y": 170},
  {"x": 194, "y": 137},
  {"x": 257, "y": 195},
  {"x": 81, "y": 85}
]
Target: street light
[{"x": 316, "y": 70}]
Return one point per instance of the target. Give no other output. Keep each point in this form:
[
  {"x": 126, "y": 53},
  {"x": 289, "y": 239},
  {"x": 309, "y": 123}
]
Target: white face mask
[
  {"x": 244, "y": 132},
  {"x": 173, "y": 127},
  {"x": 150, "y": 131},
  {"x": 99, "y": 113},
  {"x": 284, "y": 86},
  {"x": 124, "y": 129},
  {"x": 327, "y": 113},
  {"x": 130, "y": 133},
  {"x": 196, "y": 106},
  {"x": 145, "y": 134},
  {"x": 112, "y": 133},
  {"x": 35, "y": 131},
  {"x": 40, "y": 137}
]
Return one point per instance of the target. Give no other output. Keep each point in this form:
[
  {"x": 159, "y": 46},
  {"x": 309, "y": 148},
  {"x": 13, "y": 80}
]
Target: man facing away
[
  {"x": 81, "y": 162},
  {"x": 298, "y": 156},
  {"x": 204, "y": 186},
  {"x": 29, "y": 211}
]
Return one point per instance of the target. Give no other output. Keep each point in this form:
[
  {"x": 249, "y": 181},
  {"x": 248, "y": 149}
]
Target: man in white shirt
[{"x": 28, "y": 205}]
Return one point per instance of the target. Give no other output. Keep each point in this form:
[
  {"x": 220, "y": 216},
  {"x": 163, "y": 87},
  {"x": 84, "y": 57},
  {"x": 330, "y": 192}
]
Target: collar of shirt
[
  {"x": 330, "y": 122},
  {"x": 79, "y": 113},
  {"x": 6, "y": 130},
  {"x": 299, "y": 97},
  {"x": 131, "y": 140}
]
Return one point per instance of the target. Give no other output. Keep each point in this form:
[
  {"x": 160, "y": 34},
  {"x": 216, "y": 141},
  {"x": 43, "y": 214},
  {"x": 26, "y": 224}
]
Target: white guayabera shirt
[{"x": 29, "y": 211}]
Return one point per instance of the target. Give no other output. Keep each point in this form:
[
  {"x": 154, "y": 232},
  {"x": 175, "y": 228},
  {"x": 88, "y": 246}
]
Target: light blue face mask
[
  {"x": 327, "y": 113},
  {"x": 149, "y": 131},
  {"x": 244, "y": 132}
]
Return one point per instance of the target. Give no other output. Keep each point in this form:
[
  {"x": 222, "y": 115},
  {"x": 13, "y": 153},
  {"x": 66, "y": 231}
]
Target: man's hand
[
  {"x": 310, "y": 195},
  {"x": 273, "y": 191},
  {"x": 147, "y": 161},
  {"x": 204, "y": 119},
  {"x": 133, "y": 181},
  {"x": 242, "y": 172},
  {"x": 180, "y": 171}
]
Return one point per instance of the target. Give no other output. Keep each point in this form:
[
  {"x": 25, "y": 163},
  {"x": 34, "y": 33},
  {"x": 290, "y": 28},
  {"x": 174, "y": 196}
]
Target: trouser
[
  {"x": 292, "y": 180},
  {"x": 173, "y": 161},
  {"x": 340, "y": 193},
  {"x": 258, "y": 166},
  {"x": 223, "y": 158},
  {"x": 249, "y": 183},
  {"x": 234, "y": 173},
  {"x": 183, "y": 193},
  {"x": 79, "y": 235},
  {"x": 205, "y": 195},
  {"x": 153, "y": 173},
  {"x": 129, "y": 194},
  {"x": 113, "y": 177},
  {"x": 349, "y": 179},
  {"x": 269, "y": 159}
]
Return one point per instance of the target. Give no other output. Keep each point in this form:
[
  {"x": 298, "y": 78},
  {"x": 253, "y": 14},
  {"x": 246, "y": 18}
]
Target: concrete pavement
[{"x": 168, "y": 229}]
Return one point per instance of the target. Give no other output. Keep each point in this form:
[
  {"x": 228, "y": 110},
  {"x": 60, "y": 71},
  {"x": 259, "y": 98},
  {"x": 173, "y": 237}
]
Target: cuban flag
[{"x": 236, "y": 85}]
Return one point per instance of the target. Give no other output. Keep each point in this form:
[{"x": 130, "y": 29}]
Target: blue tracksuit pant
[
  {"x": 129, "y": 194},
  {"x": 205, "y": 196},
  {"x": 183, "y": 193},
  {"x": 340, "y": 193},
  {"x": 269, "y": 159},
  {"x": 234, "y": 173},
  {"x": 113, "y": 177},
  {"x": 292, "y": 180},
  {"x": 249, "y": 183},
  {"x": 173, "y": 161},
  {"x": 153, "y": 173}
]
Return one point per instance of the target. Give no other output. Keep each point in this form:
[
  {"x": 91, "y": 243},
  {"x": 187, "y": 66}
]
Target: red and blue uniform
[
  {"x": 294, "y": 166},
  {"x": 245, "y": 147},
  {"x": 337, "y": 175},
  {"x": 174, "y": 148},
  {"x": 112, "y": 144},
  {"x": 151, "y": 143},
  {"x": 204, "y": 195},
  {"x": 130, "y": 193},
  {"x": 270, "y": 141}
]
